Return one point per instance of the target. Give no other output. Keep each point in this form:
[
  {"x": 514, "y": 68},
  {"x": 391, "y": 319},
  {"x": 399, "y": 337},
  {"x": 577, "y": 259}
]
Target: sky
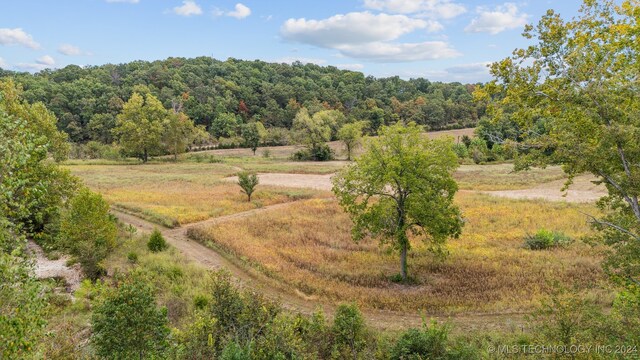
[{"x": 441, "y": 40}]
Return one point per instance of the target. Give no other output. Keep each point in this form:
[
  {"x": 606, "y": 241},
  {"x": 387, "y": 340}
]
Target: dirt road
[
  {"x": 582, "y": 190},
  {"x": 295, "y": 301}
]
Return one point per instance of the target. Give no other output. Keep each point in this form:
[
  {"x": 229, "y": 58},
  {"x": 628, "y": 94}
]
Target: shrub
[
  {"x": 349, "y": 332},
  {"x": 320, "y": 152},
  {"x": 88, "y": 232},
  {"x": 132, "y": 257},
  {"x": 248, "y": 182},
  {"x": 430, "y": 342},
  {"x": 266, "y": 153},
  {"x": 128, "y": 325},
  {"x": 156, "y": 242},
  {"x": 545, "y": 239},
  {"x": 461, "y": 150}
]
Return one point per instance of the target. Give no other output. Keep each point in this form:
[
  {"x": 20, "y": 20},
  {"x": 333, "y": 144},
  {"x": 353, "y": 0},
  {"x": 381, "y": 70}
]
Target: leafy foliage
[
  {"x": 351, "y": 136},
  {"x": 579, "y": 79},
  {"x": 127, "y": 323},
  {"x": 88, "y": 231},
  {"x": 248, "y": 182},
  {"x": 402, "y": 183},
  {"x": 156, "y": 242}
]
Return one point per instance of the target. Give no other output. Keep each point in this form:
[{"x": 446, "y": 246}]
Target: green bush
[
  {"x": 320, "y": 152},
  {"x": 132, "y": 257},
  {"x": 349, "y": 332},
  {"x": 461, "y": 150},
  {"x": 156, "y": 242},
  {"x": 546, "y": 239},
  {"x": 430, "y": 342}
]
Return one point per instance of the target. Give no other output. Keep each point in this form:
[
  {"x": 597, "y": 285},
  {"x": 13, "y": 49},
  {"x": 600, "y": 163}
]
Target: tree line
[{"x": 222, "y": 95}]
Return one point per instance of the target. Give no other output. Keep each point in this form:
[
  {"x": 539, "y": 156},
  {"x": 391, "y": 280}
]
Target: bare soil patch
[{"x": 48, "y": 269}]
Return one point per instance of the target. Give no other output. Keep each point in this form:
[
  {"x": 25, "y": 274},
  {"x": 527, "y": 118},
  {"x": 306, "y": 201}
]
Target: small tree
[
  {"x": 88, "y": 231},
  {"x": 402, "y": 183},
  {"x": 127, "y": 324},
  {"x": 156, "y": 242},
  {"x": 179, "y": 133},
  {"x": 351, "y": 136},
  {"x": 252, "y": 133},
  {"x": 248, "y": 183}
]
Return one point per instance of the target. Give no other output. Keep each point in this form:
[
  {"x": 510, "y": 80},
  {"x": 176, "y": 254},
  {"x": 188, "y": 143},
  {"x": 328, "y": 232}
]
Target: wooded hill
[{"x": 86, "y": 100}]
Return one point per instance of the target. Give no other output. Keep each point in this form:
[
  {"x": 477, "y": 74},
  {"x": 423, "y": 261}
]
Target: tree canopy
[
  {"x": 402, "y": 184},
  {"x": 580, "y": 79}
]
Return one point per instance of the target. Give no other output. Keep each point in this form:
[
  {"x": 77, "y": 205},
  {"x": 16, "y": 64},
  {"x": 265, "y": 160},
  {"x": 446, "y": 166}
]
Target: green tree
[
  {"x": 88, "y": 231},
  {"x": 140, "y": 126},
  {"x": 156, "y": 242},
  {"x": 252, "y": 133},
  {"x": 248, "y": 183},
  {"x": 224, "y": 125},
  {"x": 179, "y": 133},
  {"x": 313, "y": 132},
  {"x": 127, "y": 324},
  {"x": 402, "y": 184},
  {"x": 581, "y": 76},
  {"x": 22, "y": 303},
  {"x": 351, "y": 136}
]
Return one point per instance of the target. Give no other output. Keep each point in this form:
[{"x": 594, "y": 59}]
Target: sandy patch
[
  {"x": 47, "y": 269},
  {"x": 582, "y": 190}
]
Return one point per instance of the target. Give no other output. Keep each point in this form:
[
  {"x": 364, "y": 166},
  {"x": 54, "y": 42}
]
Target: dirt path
[
  {"x": 47, "y": 269},
  {"x": 295, "y": 301},
  {"x": 582, "y": 190}
]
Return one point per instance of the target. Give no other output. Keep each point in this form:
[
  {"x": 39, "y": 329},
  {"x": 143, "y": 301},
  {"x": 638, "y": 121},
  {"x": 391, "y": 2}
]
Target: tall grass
[{"x": 308, "y": 247}]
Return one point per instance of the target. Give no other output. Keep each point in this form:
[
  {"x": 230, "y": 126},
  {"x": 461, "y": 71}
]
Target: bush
[
  {"x": 349, "y": 332},
  {"x": 430, "y": 342},
  {"x": 88, "y": 232},
  {"x": 156, "y": 242},
  {"x": 545, "y": 239},
  {"x": 461, "y": 150},
  {"x": 127, "y": 324},
  {"x": 321, "y": 152},
  {"x": 132, "y": 257}
]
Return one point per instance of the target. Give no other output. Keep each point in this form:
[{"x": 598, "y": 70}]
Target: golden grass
[
  {"x": 174, "y": 194},
  {"x": 501, "y": 177},
  {"x": 307, "y": 246}
]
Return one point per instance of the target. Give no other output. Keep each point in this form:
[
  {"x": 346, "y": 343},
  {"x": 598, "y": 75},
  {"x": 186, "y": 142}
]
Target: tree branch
[{"x": 611, "y": 225}]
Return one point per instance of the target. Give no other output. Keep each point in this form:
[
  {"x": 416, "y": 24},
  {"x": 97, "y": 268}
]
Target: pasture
[{"x": 306, "y": 247}]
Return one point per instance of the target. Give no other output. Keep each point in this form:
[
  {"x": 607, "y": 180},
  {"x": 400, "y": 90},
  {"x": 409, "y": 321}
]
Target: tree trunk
[
  {"x": 145, "y": 156},
  {"x": 403, "y": 261}
]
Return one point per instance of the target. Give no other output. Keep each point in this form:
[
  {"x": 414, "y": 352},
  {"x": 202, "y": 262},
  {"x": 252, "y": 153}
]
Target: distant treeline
[{"x": 87, "y": 100}]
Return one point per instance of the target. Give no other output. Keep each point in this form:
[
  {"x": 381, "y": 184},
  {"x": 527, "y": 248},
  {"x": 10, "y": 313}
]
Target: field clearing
[
  {"x": 307, "y": 246},
  {"x": 178, "y": 194},
  {"x": 285, "y": 152}
]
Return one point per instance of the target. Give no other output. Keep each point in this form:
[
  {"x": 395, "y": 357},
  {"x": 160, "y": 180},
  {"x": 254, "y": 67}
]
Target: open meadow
[{"x": 306, "y": 246}]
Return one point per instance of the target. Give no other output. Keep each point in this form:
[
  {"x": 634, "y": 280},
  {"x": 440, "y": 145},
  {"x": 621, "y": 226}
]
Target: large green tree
[
  {"x": 351, "y": 136},
  {"x": 581, "y": 78},
  {"x": 179, "y": 133},
  {"x": 402, "y": 184},
  {"x": 140, "y": 126}
]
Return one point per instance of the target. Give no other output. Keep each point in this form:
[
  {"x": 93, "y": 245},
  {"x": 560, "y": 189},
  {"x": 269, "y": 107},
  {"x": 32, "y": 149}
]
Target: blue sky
[{"x": 442, "y": 40}]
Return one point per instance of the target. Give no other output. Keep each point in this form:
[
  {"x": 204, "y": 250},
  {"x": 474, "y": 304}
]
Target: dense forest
[{"x": 87, "y": 100}]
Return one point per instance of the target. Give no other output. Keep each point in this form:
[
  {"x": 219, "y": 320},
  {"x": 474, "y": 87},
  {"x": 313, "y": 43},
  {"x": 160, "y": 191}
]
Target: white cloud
[
  {"x": 352, "y": 28},
  {"x": 46, "y": 60},
  {"x": 3, "y": 64},
  {"x": 124, "y": 1},
  {"x": 503, "y": 17},
  {"x": 17, "y": 36},
  {"x": 241, "y": 11},
  {"x": 71, "y": 50},
  {"x": 292, "y": 59},
  {"x": 364, "y": 35},
  {"x": 352, "y": 67},
  {"x": 403, "y": 52},
  {"x": 436, "y": 9},
  {"x": 188, "y": 8},
  {"x": 473, "y": 68}
]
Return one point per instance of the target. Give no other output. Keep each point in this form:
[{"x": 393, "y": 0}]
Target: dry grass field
[
  {"x": 308, "y": 247},
  {"x": 178, "y": 194}
]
